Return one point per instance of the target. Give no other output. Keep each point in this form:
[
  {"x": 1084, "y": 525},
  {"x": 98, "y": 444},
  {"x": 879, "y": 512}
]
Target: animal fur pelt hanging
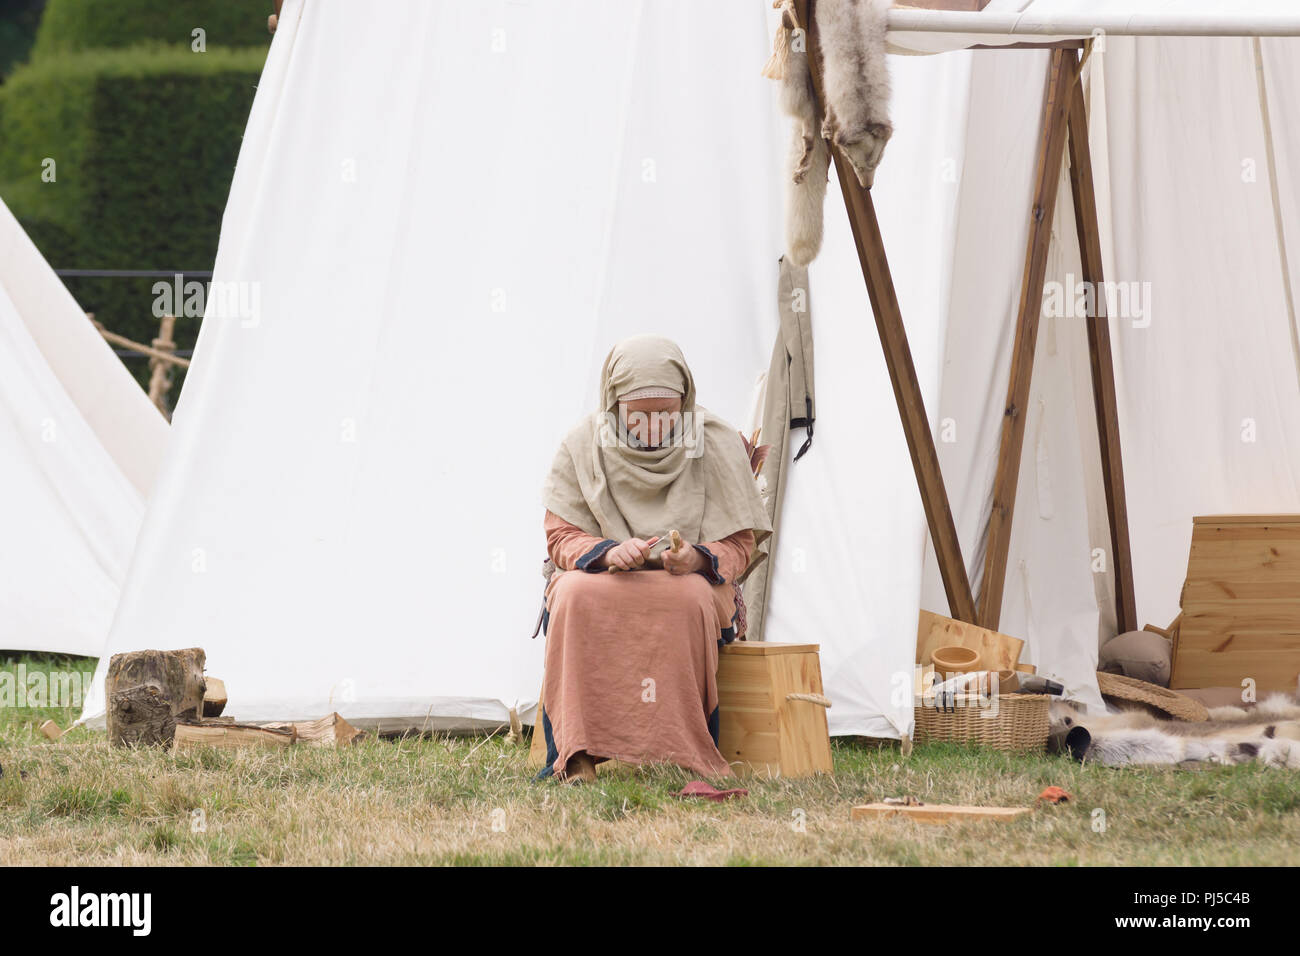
[
  {"x": 1268, "y": 732},
  {"x": 855, "y": 80}
]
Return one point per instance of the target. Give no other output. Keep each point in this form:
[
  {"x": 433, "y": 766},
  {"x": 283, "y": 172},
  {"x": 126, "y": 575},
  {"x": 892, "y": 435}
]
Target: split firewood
[
  {"x": 330, "y": 731},
  {"x": 214, "y": 697},
  {"x": 149, "y": 691},
  {"x": 188, "y": 736}
]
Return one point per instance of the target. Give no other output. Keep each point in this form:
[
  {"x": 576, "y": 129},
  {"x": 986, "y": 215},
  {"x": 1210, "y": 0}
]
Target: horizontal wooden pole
[{"x": 149, "y": 350}]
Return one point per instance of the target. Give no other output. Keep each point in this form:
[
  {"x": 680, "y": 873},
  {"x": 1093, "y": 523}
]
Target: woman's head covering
[
  {"x": 698, "y": 482},
  {"x": 649, "y": 391},
  {"x": 644, "y": 362}
]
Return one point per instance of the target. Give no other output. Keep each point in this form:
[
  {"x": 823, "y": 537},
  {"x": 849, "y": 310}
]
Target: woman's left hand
[{"x": 685, "y": 560}]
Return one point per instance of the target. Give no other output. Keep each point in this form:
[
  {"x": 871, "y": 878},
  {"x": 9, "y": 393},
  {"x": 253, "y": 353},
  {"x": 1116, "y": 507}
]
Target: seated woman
[{"x": 632, "y": 657}]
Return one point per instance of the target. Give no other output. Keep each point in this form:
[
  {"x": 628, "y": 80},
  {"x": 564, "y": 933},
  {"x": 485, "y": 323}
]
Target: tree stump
[{"x": 148, "y": 691}]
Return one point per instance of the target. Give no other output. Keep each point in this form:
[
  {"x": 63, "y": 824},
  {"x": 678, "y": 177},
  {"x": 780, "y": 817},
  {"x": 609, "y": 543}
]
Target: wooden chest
[
  {"x": 772, "y": 714},
  {"x": 1241, "y": 604}
]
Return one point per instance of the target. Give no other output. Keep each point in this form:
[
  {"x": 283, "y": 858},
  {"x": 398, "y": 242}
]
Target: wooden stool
[{"x": 772, "y": 711}]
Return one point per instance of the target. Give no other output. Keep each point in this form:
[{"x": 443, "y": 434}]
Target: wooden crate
[
  {"x": 1241, "y": 604},
  {"x": 761, "y": 729},
  {"x": 757, "y": 726}
]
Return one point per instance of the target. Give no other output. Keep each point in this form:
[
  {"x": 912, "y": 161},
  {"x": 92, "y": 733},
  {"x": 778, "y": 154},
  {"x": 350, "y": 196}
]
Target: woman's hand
[
  {"x": 632, "y": 553},
  {"x": 685, "y": 560}
]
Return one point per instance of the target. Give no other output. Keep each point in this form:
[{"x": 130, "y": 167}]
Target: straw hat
[{"x": 1176, "y": 705}]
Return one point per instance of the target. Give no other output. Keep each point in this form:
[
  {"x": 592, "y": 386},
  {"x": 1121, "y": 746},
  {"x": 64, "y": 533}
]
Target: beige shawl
[{"x": 698, "y": 482}]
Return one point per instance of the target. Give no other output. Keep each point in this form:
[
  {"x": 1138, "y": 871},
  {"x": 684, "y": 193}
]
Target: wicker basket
[{"x": 1020, "y": 723}]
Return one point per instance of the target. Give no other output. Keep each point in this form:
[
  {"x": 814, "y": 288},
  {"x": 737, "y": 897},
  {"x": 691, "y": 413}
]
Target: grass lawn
[{"x": 471, "y": 801}]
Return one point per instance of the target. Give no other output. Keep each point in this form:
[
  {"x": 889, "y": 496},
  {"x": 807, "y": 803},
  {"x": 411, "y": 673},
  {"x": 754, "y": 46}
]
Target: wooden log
[
  {"x": 214, "y": 697},
  {"x": 140, "y": 715},
  {"x": 229, "y": 736},
  {"x": 937, "y": 812},
  {"x": 149, "y": 691}
]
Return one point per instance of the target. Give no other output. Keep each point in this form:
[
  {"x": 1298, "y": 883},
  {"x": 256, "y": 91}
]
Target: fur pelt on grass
[
  {"x": 856, "y": 86},
  {"x": 1268, "y": 732}
]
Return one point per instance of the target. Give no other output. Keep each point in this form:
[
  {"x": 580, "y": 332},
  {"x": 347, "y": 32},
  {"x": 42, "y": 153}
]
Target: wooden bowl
[
  {"x": 1008, "y": 682},
  {"x": 955, "y": 659}
]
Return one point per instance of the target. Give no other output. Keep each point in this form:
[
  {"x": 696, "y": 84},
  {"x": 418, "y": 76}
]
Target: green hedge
[
  {"x": 72, "y": 25},
  {"x": 145, "y": 140},
  {"x": 19, "y": 20}
]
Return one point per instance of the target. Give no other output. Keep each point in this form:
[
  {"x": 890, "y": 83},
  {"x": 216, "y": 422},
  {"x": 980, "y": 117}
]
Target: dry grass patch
[{"x": 470, "y": 801}]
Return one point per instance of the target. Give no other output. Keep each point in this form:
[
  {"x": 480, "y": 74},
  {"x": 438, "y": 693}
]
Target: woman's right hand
[{"x": 630, "y": 554}]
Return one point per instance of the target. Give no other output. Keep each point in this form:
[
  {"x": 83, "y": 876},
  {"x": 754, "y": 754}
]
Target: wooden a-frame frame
[{"x": 1064, "y": 118}]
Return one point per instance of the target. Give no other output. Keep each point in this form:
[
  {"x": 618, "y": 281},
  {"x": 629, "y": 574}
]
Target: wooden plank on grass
[{"x": 937, "y": 813}]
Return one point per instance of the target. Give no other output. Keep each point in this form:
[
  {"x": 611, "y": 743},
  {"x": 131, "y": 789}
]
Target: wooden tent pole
[
  {"x": 1051, "y": 147},
  {"x": 160, "y": 372},
  {"x": 898, "y": 360},
  {"x": 1103, "y": 369}
]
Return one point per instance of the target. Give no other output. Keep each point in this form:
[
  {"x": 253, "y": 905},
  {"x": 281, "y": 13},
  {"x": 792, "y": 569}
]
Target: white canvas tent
[
  {"x": 349, "y": 515},
  {"x": 80, "y": 444},
  {"x": 1207, "y": 377}
]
